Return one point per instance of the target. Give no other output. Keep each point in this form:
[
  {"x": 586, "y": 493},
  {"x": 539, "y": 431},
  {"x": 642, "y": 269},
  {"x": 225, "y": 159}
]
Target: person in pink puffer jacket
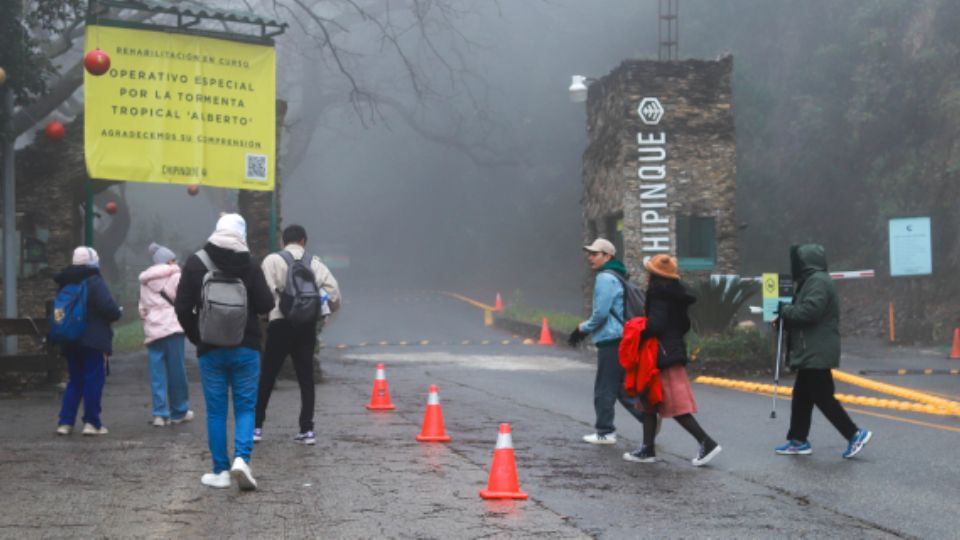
[{"x": 164, "y": 338}]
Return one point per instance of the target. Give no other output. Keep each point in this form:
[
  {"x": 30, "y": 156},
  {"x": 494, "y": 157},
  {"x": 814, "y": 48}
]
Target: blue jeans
[
  {"x": 87, "y": 369},
  {"x": 220, "y": 370},
  {"x": 167, "y": 375},
  {"x": 608, "y": 389}
]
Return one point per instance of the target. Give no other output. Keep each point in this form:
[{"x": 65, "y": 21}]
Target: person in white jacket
[
  {"x": 296, "y": 340},
  {"x": 163, "y": 337}
]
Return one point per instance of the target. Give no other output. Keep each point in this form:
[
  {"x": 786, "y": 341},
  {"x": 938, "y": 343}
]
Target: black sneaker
[
  {"x": 646, "y": 454},
  {"x": 708, "y": 450}
]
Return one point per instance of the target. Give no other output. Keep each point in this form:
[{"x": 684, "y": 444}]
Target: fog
[
  {"x": 457, "y": 164},
  {"x": 481, "y": 192}
]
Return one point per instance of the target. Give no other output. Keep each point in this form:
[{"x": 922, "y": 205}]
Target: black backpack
[
  {"x": 300, "y": 298},
  {"x": 634, "y": 299}
]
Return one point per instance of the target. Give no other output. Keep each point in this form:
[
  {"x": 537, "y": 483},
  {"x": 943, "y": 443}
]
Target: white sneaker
[
  {"x": 158, "y": 421},
  {"x": 186, "y": 418},
  {"x": 64, "y": 429},
  {"x": 243, "y": 475},
  {"x": 219, "y": 481},
  {"x": 88, "y": 429},
  {"x": 597, "y": 438},
  {"x": 708, "y": 450}
]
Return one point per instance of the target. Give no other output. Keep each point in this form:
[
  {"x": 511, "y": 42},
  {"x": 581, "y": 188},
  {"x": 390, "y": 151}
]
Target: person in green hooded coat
[{"x": 812, "y": 323}]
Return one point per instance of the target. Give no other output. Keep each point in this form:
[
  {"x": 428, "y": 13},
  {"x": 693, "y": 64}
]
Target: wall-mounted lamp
[{"x": 578, "y": 88}]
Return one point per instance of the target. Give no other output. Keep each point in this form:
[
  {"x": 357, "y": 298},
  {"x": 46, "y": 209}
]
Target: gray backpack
[
  {"x": 223, "y": 306},
  {"x": 300, "y": 298},
  {"x": 634, "y": 299}
]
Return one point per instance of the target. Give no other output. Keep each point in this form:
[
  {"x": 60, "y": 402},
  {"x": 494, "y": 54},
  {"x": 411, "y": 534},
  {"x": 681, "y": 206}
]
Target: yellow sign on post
[
  {"x": 771, "y": 295},
  {"x": 178, "y": 109}
]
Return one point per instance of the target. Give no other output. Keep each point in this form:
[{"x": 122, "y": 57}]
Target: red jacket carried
[{"x": 639, "y": 359}]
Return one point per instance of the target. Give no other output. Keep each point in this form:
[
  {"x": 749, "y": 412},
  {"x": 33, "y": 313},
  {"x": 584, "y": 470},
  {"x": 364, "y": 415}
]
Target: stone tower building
[{"x": 659, "y": 171}]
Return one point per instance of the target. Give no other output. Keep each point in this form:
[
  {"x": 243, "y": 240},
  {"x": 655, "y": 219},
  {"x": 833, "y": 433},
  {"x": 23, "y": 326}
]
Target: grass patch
[
  {"x": 128, "y": 337},
  {"x": 558, "y": 320}
]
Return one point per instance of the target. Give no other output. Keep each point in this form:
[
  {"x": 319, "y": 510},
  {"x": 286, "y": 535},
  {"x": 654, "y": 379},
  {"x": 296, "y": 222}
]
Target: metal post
[
  {"x": 88, "y": 213},
  {"x": 273, "y": 219},
  {"x": 9, "y": 219}
]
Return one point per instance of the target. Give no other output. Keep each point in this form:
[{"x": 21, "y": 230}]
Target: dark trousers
[
  {"x": 815, "y": 387},
  {"x": 283, "y": 338},
  {"x": 87, "y": 369},
  {"x": 608, "y": 388}
]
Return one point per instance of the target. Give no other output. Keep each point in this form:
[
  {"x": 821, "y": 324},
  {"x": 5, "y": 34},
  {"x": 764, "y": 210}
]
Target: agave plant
[{"x": 718, "y": 301}]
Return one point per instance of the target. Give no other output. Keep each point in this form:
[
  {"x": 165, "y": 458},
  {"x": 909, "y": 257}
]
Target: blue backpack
[{"x": 68, "y": 321}]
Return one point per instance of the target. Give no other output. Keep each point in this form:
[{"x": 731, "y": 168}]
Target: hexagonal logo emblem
[{"x": 650, "y": 111}]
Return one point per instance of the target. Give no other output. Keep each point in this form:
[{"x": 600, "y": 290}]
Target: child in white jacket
[{"x": 164, "y": 338}]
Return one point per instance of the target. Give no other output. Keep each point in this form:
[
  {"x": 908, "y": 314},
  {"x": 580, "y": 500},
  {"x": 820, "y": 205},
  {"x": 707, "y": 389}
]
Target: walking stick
[{"x": 776, "y": 369}]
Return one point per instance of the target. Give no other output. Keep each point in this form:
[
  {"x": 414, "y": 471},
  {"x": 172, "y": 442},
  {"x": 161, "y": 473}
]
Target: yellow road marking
[
  {"x": 898, "y": 391},
  {"x": 465, "y": 342},
  {"x": 872, "y": 413},
  {"x": 927, "y": 371},
  {"x": 746, "y": 386},
  {"x": 528, "y": 341},
  {"x": 403, "y": 343},
  {"x": 485, "y": 342},
  {"x": 471, "y": 301},
  {"x": 384, "y": 343},
  {"x": 425, "y": 342},
  {"x": 505, "y": 342},
  {"x": 907, "y": 420},
  {"x": 901, "y": 371},
  {"x": 341, "y": 346}
]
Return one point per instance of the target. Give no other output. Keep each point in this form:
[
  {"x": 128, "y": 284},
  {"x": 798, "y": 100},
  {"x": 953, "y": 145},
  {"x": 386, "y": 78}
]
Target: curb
[{"x": 528, "y": 330}]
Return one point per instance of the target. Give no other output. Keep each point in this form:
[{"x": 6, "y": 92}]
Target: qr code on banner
[{"x": 256, "y": 167}]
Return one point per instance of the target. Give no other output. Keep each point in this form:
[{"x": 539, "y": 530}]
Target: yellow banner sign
[{"x": 178, "y": 109}]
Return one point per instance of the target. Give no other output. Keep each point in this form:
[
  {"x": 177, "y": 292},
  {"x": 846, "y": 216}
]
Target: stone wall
[
  {"x": 50, "y": 176},
  {"x": 700, "y": 164}
]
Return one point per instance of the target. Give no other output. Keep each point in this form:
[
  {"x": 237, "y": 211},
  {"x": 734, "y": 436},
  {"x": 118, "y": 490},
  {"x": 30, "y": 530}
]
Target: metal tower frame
[{"x": 668, "y": 30}]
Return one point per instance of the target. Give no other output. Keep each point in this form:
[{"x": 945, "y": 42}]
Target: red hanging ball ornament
[
  {"x": 54, "y": 131},
  {"x": 97, "y": 62},
  {"x": 110, "y": 207},
  {"x": 193, "y": 189}
]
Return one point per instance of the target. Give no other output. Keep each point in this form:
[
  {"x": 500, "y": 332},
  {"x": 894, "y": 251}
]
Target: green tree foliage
[{"x": 21, "y": 54}]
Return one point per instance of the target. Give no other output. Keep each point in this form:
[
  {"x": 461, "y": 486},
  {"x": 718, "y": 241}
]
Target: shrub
[
  {"x": 741, "y": 351},
  {"x": 718, "y": 301}
]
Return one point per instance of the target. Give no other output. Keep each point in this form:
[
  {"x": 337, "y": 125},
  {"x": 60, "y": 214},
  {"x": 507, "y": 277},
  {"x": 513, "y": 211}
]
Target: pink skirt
[{"x": 677, "y": 394}]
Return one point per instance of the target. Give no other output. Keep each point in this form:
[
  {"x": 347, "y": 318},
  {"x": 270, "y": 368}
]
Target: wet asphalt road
[{"x": 368, "y": 477}]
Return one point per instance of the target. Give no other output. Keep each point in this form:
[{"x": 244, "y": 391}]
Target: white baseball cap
[{"x": 601, "y": 245}]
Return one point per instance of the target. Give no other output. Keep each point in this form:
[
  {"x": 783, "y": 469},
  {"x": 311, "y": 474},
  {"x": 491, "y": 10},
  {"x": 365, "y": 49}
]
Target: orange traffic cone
[
  {"x": 380, "y": 397},
  {"x": 545, "y": 337},
  {"x": 955, "y": 351},
  {"x": 432, "y": 430},
  {"x": 503, "y": 483},
  {"x": 498, "y": 305}
]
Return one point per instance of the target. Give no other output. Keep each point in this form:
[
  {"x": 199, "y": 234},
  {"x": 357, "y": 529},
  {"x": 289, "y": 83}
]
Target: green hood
[
  {"x": 616, "y": 266},
  {"x": 805, "y": 259}
]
